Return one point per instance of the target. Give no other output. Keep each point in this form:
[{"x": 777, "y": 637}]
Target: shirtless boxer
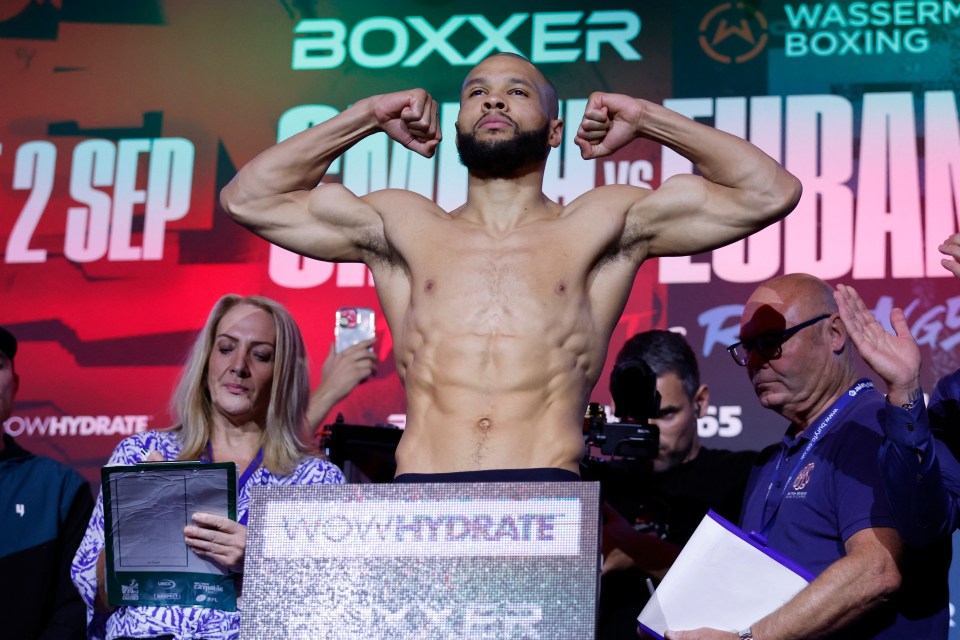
[{"x": 501, "y": 310}]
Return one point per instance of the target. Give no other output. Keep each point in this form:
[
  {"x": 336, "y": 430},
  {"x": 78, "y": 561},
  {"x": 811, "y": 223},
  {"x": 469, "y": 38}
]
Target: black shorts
[{"x": 546, "y": 474}]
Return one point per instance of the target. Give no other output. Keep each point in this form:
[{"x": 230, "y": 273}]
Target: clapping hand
[{"x": 895, "y": 358}]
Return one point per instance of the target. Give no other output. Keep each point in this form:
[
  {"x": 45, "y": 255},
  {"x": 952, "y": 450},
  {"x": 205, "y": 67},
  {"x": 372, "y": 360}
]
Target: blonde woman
[{"x": 242, "y": 398}]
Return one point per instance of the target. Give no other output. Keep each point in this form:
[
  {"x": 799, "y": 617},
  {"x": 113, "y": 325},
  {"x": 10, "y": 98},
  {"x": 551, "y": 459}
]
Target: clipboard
[{"x": 145, "y": 507}]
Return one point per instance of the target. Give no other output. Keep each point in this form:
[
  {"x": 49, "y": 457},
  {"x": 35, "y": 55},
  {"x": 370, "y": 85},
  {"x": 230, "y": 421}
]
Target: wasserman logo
[
  {"x": 864, "y": 28},
  {"x": 732, "y": 34}
]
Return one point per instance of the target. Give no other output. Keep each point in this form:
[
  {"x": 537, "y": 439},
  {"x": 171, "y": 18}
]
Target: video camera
[{"x": 633, "y": 386}]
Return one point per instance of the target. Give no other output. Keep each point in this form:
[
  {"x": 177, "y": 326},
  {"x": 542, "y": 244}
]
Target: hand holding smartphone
[{"x": 354, "y": 324}]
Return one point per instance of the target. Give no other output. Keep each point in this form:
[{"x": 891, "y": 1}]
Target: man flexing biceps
[{"x": 501, "y": 310}]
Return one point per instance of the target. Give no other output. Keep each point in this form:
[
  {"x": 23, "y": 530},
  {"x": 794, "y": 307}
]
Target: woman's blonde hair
[{"x": 282, "y": 437}]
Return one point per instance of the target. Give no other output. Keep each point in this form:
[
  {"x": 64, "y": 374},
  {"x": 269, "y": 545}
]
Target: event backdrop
[{"x": 121, "y": 121}]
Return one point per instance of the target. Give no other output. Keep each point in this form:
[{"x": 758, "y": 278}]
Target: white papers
[
  {"x": 722, "y": 580},
  {"x": 150, "y": 504},
  {"x": 146, "y": 506}
]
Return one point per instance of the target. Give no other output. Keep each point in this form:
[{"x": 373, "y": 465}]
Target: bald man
[
  {"x": 501, "y": 310},
  {"x": 817, "y": 496}
]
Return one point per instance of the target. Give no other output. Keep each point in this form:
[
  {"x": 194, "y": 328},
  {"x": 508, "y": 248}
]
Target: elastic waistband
[{"x": 545, "y": 474}]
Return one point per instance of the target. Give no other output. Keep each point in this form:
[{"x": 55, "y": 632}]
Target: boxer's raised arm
[
  {"x": 739, "y": 191},
  {"x": 278, "y": 195}
]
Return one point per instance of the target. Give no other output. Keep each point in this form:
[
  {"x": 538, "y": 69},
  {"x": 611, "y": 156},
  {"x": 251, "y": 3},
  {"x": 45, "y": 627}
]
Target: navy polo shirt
[{"x": 836, "y": 492}]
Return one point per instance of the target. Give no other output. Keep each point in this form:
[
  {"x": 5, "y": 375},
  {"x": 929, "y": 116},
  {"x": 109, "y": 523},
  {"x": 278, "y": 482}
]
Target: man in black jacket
[
  {"x": 44, "y": 509},
  {"x": 656, "y": 505}
]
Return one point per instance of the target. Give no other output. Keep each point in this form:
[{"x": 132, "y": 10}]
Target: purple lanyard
[
  {"x": 207, "y": 458},
  {"x": 839, "y": 405}
]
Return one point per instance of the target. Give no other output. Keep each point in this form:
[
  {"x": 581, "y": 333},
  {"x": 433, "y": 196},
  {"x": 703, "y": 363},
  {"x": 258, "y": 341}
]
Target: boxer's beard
[{"x": 503, "y": 158}]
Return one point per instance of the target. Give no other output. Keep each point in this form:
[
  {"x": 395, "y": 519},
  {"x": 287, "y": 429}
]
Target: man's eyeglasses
[{"x": 768, "y": 345}]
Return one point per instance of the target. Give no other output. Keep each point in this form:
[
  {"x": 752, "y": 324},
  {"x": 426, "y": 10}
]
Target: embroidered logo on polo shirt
[{"x": 803, "y": 478}]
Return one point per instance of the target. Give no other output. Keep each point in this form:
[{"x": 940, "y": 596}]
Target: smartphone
[{"x": 354, "y": 324}]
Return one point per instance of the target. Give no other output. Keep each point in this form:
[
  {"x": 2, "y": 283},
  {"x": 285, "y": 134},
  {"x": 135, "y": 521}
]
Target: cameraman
[{"x": 663, "y": 499}]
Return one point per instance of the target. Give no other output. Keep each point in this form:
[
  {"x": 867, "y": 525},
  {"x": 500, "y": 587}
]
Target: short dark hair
[{"x": 664, "y": 352}]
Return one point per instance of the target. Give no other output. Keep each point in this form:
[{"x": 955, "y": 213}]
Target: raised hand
[
  {"x": 341, "y": 372},
  {"x": 411, "y": 118},
  {"x": 610, "y": 121},
  {"x": 895, "y": 358},
  {"x": 951, "y": 248}
]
